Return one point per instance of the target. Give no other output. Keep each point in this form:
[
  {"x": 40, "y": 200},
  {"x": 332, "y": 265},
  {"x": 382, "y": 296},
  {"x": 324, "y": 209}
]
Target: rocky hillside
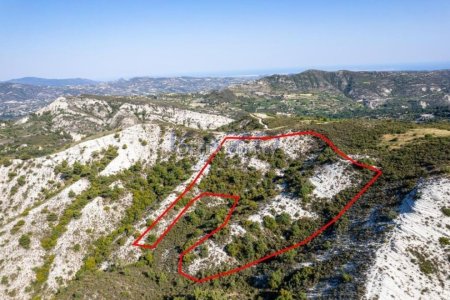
[
  {"x": 43, "y": 244},
  {"x": 414, "y": 261},
  {"x": 84, "y": 176},
  {"x": 54, "y": 207},
  {"x": 20, "y": 99},
  {"x": 90, "y": 114}
]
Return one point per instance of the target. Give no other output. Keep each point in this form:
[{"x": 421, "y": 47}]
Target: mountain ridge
[{"x": 312, "y": 92}]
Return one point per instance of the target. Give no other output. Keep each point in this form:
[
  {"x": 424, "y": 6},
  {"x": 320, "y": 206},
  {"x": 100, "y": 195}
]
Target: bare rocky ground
[{"x": 411, "y": 263}]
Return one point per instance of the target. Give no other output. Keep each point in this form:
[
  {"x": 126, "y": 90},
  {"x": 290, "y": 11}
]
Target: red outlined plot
[{"x": 236, "y": 200}]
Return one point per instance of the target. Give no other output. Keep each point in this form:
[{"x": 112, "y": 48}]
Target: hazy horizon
[{"x": 281, "y": 71}]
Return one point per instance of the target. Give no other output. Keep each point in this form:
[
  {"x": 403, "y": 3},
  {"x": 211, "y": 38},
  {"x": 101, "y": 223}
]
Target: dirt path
[{"x": 259, "y": 121}]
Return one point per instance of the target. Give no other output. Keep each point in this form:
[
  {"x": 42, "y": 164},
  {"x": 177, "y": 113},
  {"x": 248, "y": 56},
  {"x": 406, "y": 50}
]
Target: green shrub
[
  {"x": 13, "y": 190},
  {"x": 11, "y": 175},
  {"x": 52, "y": 217},
  {"x": 303, "y": 278},
  {"x": 6, "y": 162},
  {"x": 276, "y": 278},
  {"x": 43, "y": 271},
  {"x": 17, "y": 226},
  {"x": 204, "y": 294},
  {"x": 203, "y": 251},
  {"x": 232, "y": 249},
  {"x": 444, "y": 241},
  {"x": 346, "y": 277},
  {"x": 151, "y": 238},
  {"x": 392, "y": 214},
  {"x": 188, "y": 258},
  {"x": 25, "y": 241},
  {"x": 327, "y": 156},
  {"x": 270, "y": 223},
  {"x": 143, "y": 142},
  {"x": 149, "y": 258},
  {"x": 283, "y": 219},
  {"x": 446, "y": 211},
  {"x": 426, "y": 267},
  {"x": 21, "y": 180},
  {"x": 285, "y": 295},
  {"x": 90, "y": 264}
]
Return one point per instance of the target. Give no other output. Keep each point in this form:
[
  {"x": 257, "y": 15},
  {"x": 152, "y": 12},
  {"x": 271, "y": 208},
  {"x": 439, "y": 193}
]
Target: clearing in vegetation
[{"x": 395, "y": 141}]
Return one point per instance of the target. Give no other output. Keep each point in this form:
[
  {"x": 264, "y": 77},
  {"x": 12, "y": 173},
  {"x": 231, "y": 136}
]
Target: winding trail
[{"x": 259, "y": 120}]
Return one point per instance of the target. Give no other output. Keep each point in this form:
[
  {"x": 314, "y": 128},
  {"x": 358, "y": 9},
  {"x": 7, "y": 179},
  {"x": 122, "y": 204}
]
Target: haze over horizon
[{"x": 106, "y": 40}]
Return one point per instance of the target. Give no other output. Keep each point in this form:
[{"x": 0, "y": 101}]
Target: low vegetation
[{"x": 401, "y": 166}]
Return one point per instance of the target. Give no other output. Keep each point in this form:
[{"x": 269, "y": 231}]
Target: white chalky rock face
[
  {"x": 100, "y": 113},
  {"x": 331, "y": 179},
  {"x": 395, "y": 273},
  {"x": 97, "y": 217},
  {"x": 291, "y": 146},
  {"x": 35, "y": 225},
  {"x": 237, "y": 230},
  {"x": 216, "y": 257},
  {"x": 282, "y": 204},
  {"x": 39, "y": 172},
  {"x": 258, "y": 164}
]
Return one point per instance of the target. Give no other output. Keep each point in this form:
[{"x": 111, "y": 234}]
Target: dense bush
[
  {"x": 25, "y": 241},
  {"x": 276, "y": 278},
  {"x": 444, "y": 241},
  {"x": 446, "y": 211},
  {"x": 42, "y": 272},
  {"x": 17, "y": 226},
  {"x": 52, "y": 217}
]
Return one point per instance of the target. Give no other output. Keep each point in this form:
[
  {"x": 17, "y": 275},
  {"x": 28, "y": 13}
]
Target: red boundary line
[{"x": 236, "y": 200}]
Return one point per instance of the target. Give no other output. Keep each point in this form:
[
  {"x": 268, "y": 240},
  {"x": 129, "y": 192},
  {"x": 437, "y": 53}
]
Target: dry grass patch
[{"x": 395, "y": 141}]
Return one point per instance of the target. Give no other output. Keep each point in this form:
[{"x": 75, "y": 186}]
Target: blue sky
[{"x": 112, "y": 39}]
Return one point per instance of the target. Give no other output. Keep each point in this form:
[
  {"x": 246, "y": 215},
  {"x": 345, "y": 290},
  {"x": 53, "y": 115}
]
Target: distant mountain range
[
  {"x": 21, "y": 96},
  {"x": 312, "y": 92}
]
